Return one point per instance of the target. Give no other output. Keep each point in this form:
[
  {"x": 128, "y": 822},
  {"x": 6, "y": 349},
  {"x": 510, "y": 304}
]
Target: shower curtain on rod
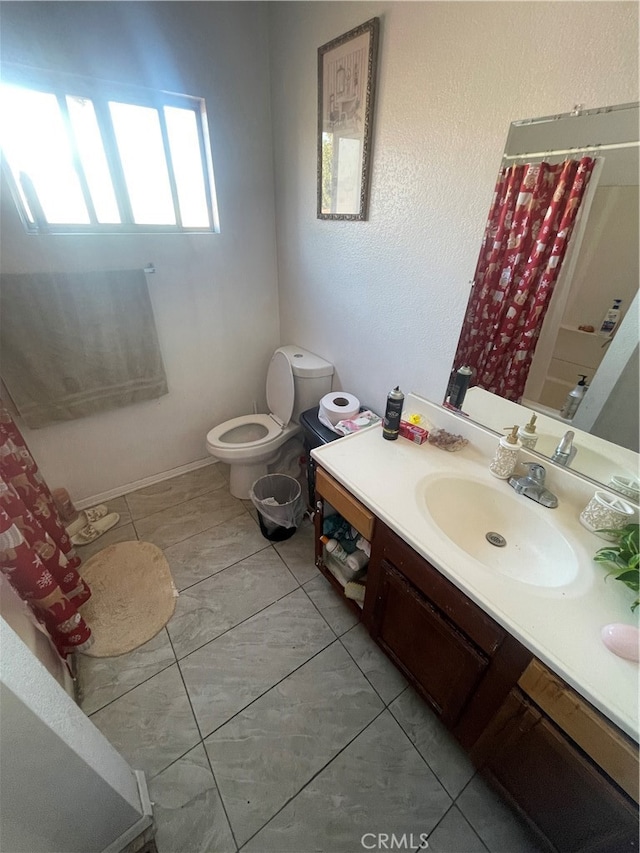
[
  {"x": 36, "y": 554},
  {"x": 525, "y": 241}
]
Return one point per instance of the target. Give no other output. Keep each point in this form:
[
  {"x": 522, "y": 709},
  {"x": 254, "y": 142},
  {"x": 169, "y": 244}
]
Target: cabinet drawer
[
  {"x": 344, "y": 503},
  {"x": 574, "y": 806},
  {"x": 479, "y": 627},
  {"x": 426, "y": 646},
  {"x": 611, "y": 750}
]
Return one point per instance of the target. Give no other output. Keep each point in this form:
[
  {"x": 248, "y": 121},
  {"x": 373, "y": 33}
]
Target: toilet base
[{"x": 242, "y": 477}]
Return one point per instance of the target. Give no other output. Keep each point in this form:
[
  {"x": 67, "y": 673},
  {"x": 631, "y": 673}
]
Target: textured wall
[
  {"x": 214, "y": 295},
  {"x": 384, "y": 299}
]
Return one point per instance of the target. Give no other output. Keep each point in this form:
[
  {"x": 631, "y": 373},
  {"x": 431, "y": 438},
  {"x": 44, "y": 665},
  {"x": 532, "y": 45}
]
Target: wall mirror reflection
[{"x": 560, "y": 250}]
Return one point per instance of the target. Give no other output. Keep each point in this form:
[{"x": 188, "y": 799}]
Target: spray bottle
[{"x": 391, "y": 422}]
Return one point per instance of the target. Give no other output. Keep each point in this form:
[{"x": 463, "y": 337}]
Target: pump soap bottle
[
  {"x": 610, "y": 319},
  {"x": 504, "y": 462},
  {"x": 574, "y": 398},
  {"x": 527, "y": 434}
]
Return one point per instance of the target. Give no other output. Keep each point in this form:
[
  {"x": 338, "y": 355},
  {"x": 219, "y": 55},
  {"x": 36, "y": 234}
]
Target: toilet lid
[{"x": 280, "y": 392}]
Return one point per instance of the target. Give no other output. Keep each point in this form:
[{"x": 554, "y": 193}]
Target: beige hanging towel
[{"x": 73, "y": 344}]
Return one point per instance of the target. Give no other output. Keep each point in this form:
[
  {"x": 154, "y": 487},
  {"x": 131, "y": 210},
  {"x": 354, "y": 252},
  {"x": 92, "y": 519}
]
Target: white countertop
[{"x": 561, "y": 626}]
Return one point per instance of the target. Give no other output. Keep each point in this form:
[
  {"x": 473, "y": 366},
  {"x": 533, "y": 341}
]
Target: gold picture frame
[{"x": 346, "y": 95}]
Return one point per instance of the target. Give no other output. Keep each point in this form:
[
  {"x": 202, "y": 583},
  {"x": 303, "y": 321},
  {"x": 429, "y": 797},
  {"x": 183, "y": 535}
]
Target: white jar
[
  {"x": 528, "y": 441},
  {"x": 604, "y": 511},
  {"x": 528, "y": 435},
  {"x": 627, "y": 486},
  {"x": 504, "y": 462}
]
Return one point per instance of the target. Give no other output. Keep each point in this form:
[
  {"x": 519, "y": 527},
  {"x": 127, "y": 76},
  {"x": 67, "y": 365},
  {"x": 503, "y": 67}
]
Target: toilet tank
[{"x": 312, "y": 377}]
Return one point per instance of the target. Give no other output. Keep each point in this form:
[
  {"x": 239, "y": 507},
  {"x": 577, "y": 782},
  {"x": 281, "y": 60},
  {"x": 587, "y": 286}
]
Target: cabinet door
[
  {"x": 425, "y": 645},
  {"x": 571, "y": 802}
]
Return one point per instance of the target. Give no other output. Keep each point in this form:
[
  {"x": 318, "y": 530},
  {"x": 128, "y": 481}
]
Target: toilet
[{"x": 296, "y": 381}]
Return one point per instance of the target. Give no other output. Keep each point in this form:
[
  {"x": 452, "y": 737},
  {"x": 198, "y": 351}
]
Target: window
[{"x": 85, "y": 156}]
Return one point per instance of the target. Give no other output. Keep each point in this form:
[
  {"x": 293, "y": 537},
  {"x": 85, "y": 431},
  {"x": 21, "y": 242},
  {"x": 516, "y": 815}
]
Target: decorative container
[
  {"x": 627, "y": 486},
  {"x": 604, "y": 511},
  {"x": 504, "y": 462}
]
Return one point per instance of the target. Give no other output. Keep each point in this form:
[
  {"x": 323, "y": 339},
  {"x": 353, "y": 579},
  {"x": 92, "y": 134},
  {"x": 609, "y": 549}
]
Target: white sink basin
[{"x": 466, "y": 510}]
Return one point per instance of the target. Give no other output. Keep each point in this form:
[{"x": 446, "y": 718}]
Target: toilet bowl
[{"x": 296, "y": 380}]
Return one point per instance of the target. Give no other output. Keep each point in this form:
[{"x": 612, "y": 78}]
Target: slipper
[
  {"x": 91, "y": 532},
  {"x": 95, "y": 513},
  {"x": 86, "y": 516}
]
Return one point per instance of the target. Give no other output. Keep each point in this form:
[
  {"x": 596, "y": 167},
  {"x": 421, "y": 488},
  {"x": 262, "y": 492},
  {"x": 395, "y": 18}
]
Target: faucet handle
[{"x": 537, "y": 472}]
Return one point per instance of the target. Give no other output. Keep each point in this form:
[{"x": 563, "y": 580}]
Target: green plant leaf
[
  {"x": 613, "y": 532},
  {"x": 606, "y": 555},
  {"x": 623, "y": 557},
  {"x": 630, "y": 579},
  {"x": 632, "y": 532}
]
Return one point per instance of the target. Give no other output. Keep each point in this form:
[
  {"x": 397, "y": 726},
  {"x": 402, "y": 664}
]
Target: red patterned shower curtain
[
  {"x": 530, "y": 222},
  {"x": 36, "y": 553}
]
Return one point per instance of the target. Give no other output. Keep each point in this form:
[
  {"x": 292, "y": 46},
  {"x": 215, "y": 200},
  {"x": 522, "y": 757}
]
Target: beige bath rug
[{"x": 132, "y": 597}]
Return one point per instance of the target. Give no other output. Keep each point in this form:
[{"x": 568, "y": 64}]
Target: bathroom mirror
[{"x": 601, "y": 264}]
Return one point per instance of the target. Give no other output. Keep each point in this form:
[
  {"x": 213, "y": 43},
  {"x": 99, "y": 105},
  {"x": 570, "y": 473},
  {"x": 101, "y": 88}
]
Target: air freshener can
[
  {"x": 391, "y": 422},
  {"x": 460, "y": 386}
]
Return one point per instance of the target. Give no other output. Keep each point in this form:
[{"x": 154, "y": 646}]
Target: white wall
[
  {"x": 63, "y": 787},
  {"x": 610, "y": 409},
  {"x": 214, "y": 295},
  {"x": 19, "y": 617},
  {"x": 384, "y": 299}
]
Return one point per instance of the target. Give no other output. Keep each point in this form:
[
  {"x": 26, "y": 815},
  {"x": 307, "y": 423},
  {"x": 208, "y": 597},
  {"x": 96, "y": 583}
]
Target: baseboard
[
  {"x": 145, "y": 822},
  {"x": 103, "y": 497}
]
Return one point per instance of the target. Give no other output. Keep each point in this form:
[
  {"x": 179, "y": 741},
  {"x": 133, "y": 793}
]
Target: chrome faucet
[
  {"x": 566, "y": 450},
  {"x": 532, "y": 486}
]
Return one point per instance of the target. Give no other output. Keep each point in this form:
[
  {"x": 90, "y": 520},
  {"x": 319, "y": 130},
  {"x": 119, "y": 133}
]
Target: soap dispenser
[
  {"x": 504, "y": 462},
  {"x": 611, "y": 319},
  {"x": 574, "y": 398},
  {"x": 527, "y": 434}
]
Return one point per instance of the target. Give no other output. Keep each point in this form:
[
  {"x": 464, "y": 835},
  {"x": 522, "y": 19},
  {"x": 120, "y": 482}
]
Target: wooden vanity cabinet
[
  {"x": 329, "y": 490},
  {"x": 549, "y": 778},
  {"x": 560, "y": 762},
  {"x": 461, "y": 661}
]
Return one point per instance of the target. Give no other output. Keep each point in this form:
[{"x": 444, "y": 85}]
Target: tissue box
[{"x": 414, "y": 433}]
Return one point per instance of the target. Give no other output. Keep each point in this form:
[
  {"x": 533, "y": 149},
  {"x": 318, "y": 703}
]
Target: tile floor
[{"x": 263, "y": 715}]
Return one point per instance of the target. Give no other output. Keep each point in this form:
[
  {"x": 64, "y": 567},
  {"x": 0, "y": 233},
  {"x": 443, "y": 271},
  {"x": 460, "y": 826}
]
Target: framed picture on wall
[{"x": 346, "y": 93}]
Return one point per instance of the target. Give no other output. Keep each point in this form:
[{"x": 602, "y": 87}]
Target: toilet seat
[{"x": 215, "y": 437}]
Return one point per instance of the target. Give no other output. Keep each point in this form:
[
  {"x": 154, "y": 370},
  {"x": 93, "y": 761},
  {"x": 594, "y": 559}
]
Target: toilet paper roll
[{"x": 339, "y": 406}]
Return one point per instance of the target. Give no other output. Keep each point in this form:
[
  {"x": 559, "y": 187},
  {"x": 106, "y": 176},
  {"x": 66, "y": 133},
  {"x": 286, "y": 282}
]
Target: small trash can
[{"x": 278, "y": 499}]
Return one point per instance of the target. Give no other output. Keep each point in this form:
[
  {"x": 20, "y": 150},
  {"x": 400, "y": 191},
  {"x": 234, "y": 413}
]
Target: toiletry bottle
[
  {"x": 611, "y": 318},
  {"x": 334, "y": 549},
  {"x": 460, "y": 386},
  {"x": 64, "y": 505},
  {"x": 527, "y": 434},
  {"x": 356, "y": 561},
  {"x": 504, "y": 462},
  {"x": 574, "y": 398},
  {"x": 391, "y": 422}
]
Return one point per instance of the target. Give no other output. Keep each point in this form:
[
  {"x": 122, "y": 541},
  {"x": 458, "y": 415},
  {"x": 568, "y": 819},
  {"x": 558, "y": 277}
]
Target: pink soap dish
[{"x": 622, "y": 640}]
